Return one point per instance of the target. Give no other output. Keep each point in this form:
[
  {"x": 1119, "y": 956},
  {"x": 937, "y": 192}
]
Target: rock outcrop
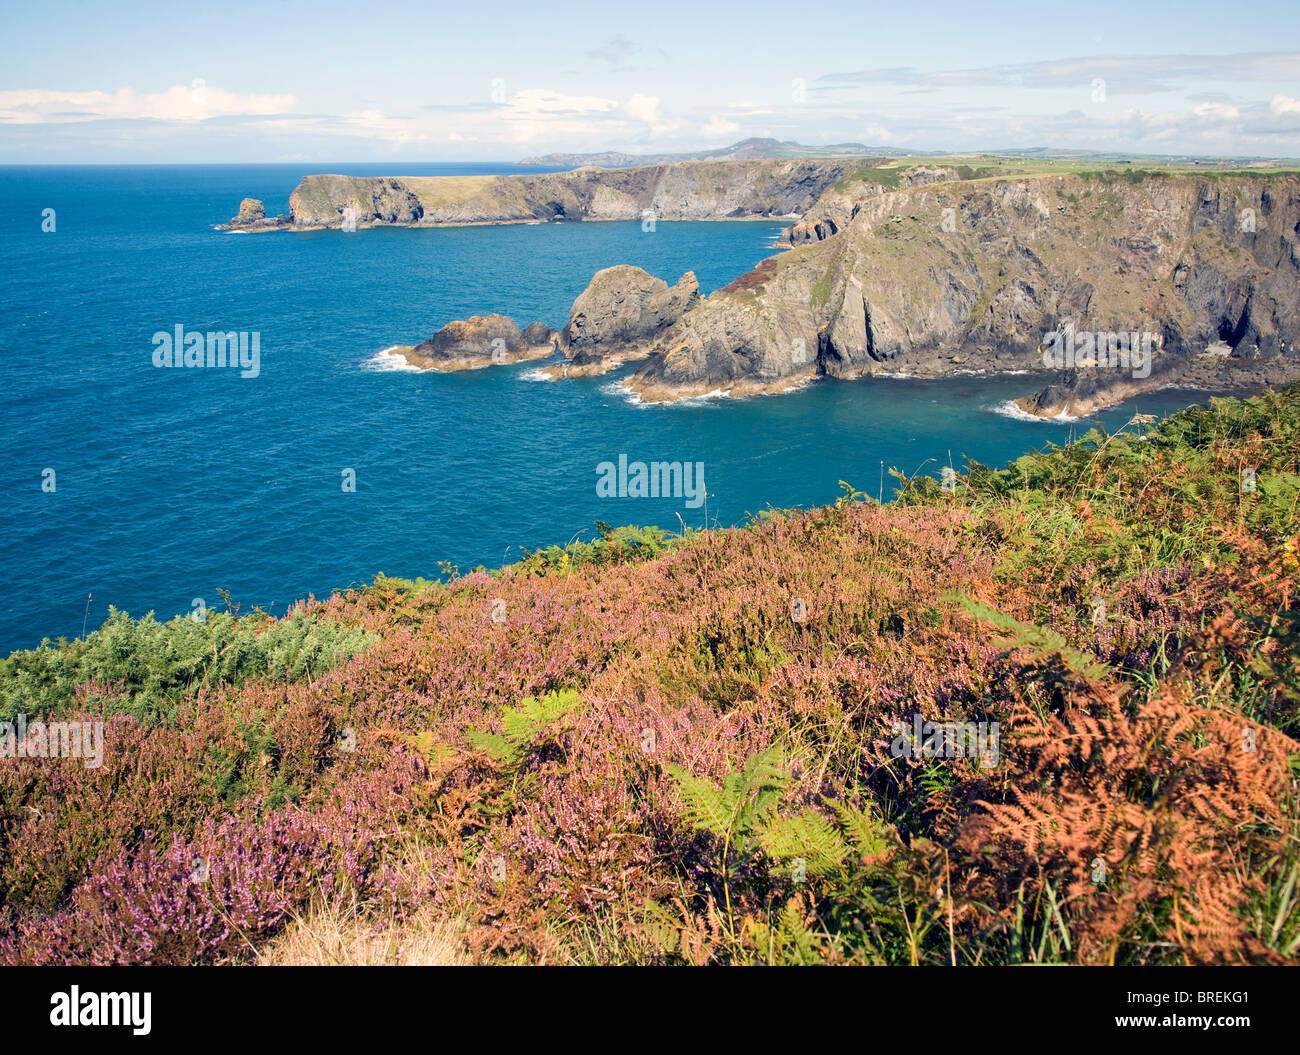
[
  {"x": 481, "y": 340},
  {"x": 621, "y": 315},
  {"x": 837, "y": 207},
  {"x": 252, "y": 217},
  {"x": 976, "y": 275},
  {"x": 696, "y": 190},
  {"x": 350, "y": 201}
]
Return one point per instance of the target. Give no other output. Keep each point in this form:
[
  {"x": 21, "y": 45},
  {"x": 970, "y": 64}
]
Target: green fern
[
  {"x": 868, "y": 834},
  {"x": 734, "y": 812},
  {"x": 746, "y": 798},
  {"x": 787, "y": 941},
  {"x": 1039, "y": 639},
  {"x": 809, "y": 837},
  {"x": 522, "y": 725}
]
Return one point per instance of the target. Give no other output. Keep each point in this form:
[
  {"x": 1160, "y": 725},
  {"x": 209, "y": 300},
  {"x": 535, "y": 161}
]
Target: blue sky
[{"x": 286, "y": 81}]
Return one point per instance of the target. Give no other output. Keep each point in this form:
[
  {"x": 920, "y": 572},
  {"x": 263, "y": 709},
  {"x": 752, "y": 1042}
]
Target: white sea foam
[
  {"x": 620, "y": 389},
  {"x": 1010, "y": 410},
  {"x": 390, "y": 361},
  {"x": 707, "y": 397},
  {"x": 802, "y": 382}
]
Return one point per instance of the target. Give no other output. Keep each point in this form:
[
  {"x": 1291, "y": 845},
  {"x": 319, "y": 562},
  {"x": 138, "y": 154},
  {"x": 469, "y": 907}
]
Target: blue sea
[{"x": 171, "y": 484}]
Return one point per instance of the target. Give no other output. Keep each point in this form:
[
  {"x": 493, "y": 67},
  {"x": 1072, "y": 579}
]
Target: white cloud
[
  {"x": 643, "y": 108},
  {"x": 186, "y": 103},
  {"x": 538, "y": 115},
  {"x": 719, "y": 126},
  {"x": 1152, "y": 73},
  {"x": 646, "y": 108},
  {"x": 536, "y": 102},
  {"x": 1284, "y": 104},
  {"x": 379, "y": 125},
  {"x": 1217, "y": 111}
]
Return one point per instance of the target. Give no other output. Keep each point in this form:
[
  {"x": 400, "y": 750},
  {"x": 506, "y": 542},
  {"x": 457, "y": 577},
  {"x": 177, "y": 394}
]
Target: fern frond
[
  {"x": 809, "y": 836},
  {"x": 710, "y": 809},
  {"x": 496, "y": 746},
  {"x": 1037, "y": 638},
  {"x": 869, "y": 835},
  {"x": 521, "y": 725}
]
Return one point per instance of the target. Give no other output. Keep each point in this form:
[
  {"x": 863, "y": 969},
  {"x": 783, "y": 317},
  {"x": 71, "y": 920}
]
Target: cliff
[
  {"x": 1103, "y": 283},
  {"x": 975, "y": 274},
  {"x": 697, "y": 190}
]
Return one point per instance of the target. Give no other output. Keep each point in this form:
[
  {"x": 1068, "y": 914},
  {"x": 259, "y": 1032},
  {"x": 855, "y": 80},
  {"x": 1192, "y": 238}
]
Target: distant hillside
[
  {"x": 745, "y": 150},
  {"x": 757, "y": 149}
]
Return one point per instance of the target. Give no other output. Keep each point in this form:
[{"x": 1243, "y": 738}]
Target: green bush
[{"x": 145, "y": 668}]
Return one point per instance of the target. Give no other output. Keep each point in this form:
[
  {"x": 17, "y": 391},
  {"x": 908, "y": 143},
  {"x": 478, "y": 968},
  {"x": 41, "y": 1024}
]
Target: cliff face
[
  {"x": 703, "y": 190},
  {"x": 975, "y": 274},
  {"x": 335, "y": 200},
  {"x": 621, "y": 315}
]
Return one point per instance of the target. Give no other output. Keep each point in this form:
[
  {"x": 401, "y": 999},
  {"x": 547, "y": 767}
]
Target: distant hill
[
  {"x": 745, "y": 150},
  {"x": 756, "y": 149}
]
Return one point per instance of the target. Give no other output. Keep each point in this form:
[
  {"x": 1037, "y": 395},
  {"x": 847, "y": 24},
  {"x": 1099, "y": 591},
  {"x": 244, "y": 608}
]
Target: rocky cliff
[
  {"x": 621, "y": 315},
  {"x": 952, "y": 274},
  {"x": 697, "y": 190}
]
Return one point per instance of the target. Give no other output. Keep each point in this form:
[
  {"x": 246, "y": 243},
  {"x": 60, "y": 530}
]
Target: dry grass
[
  {"x": 446, "y": 190},
  {"x": 330, "y": 936}
]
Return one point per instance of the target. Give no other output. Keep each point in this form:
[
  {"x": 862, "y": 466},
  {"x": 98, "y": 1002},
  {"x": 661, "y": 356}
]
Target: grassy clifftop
[{"x": 695, "y": 749}]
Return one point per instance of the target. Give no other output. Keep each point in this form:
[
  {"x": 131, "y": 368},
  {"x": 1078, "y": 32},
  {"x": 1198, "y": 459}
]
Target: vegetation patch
[{"x": 711, "y": 747}]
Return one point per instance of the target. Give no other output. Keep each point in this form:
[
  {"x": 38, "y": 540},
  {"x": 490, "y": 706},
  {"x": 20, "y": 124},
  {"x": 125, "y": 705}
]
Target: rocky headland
[
  {"x": 694, "y": 190},
  {"x": 952, "y": 275},
  {"x": 920, "y": 269}
]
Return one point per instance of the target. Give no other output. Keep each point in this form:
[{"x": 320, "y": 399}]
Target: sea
[{"x": 151, "y": 489}]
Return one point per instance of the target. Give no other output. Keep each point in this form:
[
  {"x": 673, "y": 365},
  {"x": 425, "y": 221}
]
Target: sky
[{"x": 281, "y": 81}]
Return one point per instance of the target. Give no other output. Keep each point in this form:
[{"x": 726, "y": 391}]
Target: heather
[{"x": 654, "y": 749}]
